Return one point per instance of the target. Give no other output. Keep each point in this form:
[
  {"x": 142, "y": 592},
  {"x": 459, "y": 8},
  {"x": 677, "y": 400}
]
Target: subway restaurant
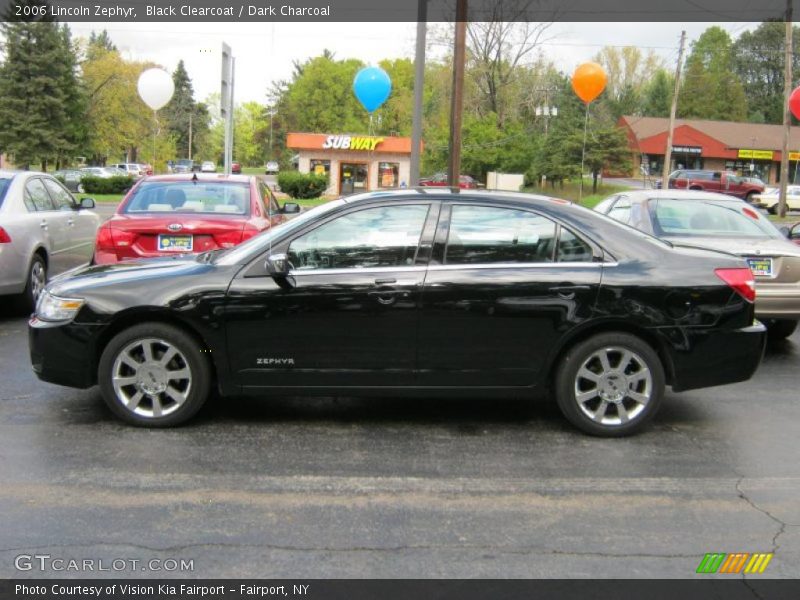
[{"x": 354, "y": 163}]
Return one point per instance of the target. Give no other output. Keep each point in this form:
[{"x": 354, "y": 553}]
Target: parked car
[
  {"x": 132, "y": 169},
  {"x": 43, "y": 232},
  {"x": 185, "y": 165},
  {"x": 146, "y": 168},
  {"x": 104, "y": 172},
  {"x": 167, "y": 215},
  {"x": 271, "y": 167},
  {"x": 770, "y": 197},
  {"x": 236, "y": 168},
  {"x": 208, "y": 167},
  {"x": 440, "y": 180},
  {"x": 723, "y": 223},
  {"x": 410, "y": 292},
  {"x": 714, "y": 181},
  {"x": 71, "y": 178}
]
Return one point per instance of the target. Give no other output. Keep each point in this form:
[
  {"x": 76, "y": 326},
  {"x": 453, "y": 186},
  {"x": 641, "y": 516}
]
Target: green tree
[
  {"x": 629, "y": 71},
  {"x": 41, "y": 99},
  {"x": 182, "y": 114},
  {"x": 758, "y": 64},
  {"x": 711, "y": 89},
  {"x": 98, "y": 44},
  {"x": 657, "y": 95}
]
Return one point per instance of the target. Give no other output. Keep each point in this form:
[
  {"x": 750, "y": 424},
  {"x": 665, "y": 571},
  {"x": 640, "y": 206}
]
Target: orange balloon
[{"x": 589, "y": 81}]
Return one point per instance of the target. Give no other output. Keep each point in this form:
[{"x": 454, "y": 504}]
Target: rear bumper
[
  {"x": 63, "y": 353},
  {"x": 714, "y": 357},
  {"x": 780, "y": 301}
]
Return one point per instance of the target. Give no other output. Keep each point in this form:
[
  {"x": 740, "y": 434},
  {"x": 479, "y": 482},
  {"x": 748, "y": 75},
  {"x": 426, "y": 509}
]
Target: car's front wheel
[
  {"x": 154, "y": 375},
  {"x": 610, "y": 385},
  {"x": 37, "y": 279}
]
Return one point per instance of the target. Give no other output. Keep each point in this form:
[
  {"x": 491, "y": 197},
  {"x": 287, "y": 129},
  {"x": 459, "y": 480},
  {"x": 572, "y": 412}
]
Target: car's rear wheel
[
  {"x": 154, "y": 375},
  {"x": 34, "y": 284},
  {"x": 773, "y": 210},
  {"x": 780, "y": 329},
  {"x": 610, "y": 385}
]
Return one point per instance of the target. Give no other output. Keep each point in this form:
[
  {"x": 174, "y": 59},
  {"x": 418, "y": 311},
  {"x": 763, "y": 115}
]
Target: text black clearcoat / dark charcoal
[{"x": 428, "y": 327}]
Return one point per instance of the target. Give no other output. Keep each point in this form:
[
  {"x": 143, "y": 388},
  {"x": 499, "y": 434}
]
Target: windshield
[
  {"x": 4, "y": 183},
  {"x": 217, "y": 197},
  {"x": 259, "y": 243},
  {"x": 708, "y": 219}
]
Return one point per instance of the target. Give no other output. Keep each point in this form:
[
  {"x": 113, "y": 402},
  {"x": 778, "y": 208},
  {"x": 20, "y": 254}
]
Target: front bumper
[
  {"x": 714, "y": 357},
  {"x": 63, "y": 353}
]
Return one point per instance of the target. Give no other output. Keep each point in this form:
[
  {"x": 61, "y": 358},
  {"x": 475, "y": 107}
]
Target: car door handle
[
  {"x": 386, "y": 281},
  {"x": 388, "y": 296},
  {"x": 570, "y": 288}
]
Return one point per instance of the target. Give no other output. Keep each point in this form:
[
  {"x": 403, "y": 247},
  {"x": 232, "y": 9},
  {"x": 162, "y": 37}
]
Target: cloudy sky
[{"x": 265, "y": 51}]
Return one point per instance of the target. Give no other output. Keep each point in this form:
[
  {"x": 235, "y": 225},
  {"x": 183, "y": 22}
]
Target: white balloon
[{"x": 155, "y": 88}]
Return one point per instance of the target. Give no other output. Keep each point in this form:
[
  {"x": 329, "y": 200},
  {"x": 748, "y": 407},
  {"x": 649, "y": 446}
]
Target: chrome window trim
[{"x": 398, "y": 269}]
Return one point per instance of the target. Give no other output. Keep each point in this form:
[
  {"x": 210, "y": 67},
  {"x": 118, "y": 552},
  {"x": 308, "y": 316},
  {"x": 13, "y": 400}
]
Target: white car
[
  {"x": 271, "y": 167},
  {"x": 769, "y": 198},
  {"x": 208, "y": 167},
  {"x": 43, "y": 231}
]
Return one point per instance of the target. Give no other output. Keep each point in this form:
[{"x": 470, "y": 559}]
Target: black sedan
[{"x": 417, "y": 292}]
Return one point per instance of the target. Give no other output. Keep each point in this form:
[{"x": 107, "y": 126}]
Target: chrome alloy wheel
[
  {"x": 613, "y": 386},
  {"x": 151, "y": 378},
  {"x": 38, "y": 279}
]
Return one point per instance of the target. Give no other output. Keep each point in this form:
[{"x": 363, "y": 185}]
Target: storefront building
[
  {"x": 749, "y": 149},
  {"x": 354, "y": 163}
]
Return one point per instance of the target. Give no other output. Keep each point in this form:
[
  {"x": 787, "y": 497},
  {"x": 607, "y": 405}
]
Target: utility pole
[
  {"x": 787, "y": 118},
  {"x": 419, "y": 82},
  {"x": 673, "y": 109},
  {"x": 457, "y": 98},
  {"x": 190, "y": 135}
]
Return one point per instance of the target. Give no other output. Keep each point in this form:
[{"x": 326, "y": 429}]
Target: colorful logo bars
[{"x": 737, "y": 562}]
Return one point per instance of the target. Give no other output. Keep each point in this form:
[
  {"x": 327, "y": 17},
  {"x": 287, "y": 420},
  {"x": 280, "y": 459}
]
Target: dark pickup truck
[{"x": 714, "y": 181}]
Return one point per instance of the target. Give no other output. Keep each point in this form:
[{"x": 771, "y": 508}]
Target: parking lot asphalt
[{"x": 343, "y": 487}]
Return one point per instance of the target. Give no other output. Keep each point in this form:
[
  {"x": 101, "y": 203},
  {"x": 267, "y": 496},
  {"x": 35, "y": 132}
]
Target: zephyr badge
[{"x": 174, "y": 226}]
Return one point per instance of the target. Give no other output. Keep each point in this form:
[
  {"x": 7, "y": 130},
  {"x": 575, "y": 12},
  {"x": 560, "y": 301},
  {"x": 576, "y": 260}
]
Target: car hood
[
  {"x": 740, "y": 246},
  {"x": 84, "y": 279}
]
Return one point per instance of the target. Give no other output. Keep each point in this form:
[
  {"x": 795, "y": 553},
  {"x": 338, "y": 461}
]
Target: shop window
[
  {"x": 321, "y": 167},
  {"x": 388, "y": 175}
]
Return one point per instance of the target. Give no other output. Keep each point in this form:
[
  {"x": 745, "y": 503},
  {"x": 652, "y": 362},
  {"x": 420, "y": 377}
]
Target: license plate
[
  {"x": 174, "y": 243},
  {"x": 761, "y": 266}
]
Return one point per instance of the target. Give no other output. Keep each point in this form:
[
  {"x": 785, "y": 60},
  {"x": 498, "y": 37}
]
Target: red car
[
  {"x": 236, "y": 168},
  {"x": 172, "y": 214},
  {"x": 440, "y": 180}
]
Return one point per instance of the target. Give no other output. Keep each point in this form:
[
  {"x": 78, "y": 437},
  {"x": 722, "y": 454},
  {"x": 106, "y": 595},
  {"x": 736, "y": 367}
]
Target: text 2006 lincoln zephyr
[{"x": 425, "y": 292}]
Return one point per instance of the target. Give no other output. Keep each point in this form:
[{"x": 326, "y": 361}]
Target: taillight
[
  {"x": 228, "y": 239},
  {"x": 108, "y": 242},
  {"x": 249, "y": 231},
  {"x": 4, "y": 237},
  {"x": 104, "y": 240},
  {"x": 741, "y": 280}
]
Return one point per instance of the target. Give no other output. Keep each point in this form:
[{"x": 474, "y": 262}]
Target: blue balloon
[{"x": 372, "y": 87}]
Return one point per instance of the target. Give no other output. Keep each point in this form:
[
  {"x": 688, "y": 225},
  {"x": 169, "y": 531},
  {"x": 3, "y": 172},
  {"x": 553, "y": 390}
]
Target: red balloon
[{"x": 794, "y": 102}]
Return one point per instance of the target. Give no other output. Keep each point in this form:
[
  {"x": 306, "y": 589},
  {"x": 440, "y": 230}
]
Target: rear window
[
  {"x": 4, "y": 183},
  {"x": 207, "y": 197},
  {"x": 707, "y": 219}
]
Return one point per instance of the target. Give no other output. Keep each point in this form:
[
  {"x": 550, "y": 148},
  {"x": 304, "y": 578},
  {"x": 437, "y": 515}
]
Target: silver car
[
  {"x": 720, "y": 222},
  {"x": 43, "y": 231}
]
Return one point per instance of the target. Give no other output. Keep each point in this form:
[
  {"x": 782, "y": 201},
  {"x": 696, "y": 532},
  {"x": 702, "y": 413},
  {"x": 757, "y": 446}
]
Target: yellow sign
[
  {"x": 759, "y": 154},
  {"x": 348, "y": 142},
  {"x": 794, "y": 155}
]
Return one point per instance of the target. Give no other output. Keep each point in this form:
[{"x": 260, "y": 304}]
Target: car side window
[
  {"x": 605, "y": 205},
  {"x": 269, "y": 201},
  {"x": 385, "y": 236},
  {"x": 573, "y": 249},
  {"x": 38, "y": 195},
  {"x": 486, "y": 235},
  {"x": 61, "y": 197},
  {"x": 622, "y": 210}
]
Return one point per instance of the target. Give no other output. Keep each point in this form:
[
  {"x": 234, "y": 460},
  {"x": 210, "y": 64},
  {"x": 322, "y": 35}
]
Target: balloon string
[
  {"x": 155, "y": 132},
  {"x": 583, "y": 152}
]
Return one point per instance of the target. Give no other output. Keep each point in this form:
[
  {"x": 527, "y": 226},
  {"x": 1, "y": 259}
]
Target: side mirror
[
  {"x": 87, "y": 203},
  {"x": 794, "y": 232},
  {"x": 290, "y": 208},
  {"x": 786, "y": 231},
  {"x": 278, "y": 266}
]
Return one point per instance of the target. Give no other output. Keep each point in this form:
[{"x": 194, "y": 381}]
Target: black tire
[
  {"x": 749, "y": 197},
  {"x": 773, "y": 210},
  {"x": 642, "y": 375},
  {"x": 780, "y": 329},
  {"x": 37, "y": 272},
  {"x": 160, "y": 337}
]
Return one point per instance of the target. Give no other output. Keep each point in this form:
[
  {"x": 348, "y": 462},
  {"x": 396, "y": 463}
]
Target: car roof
[
  {"x": 689, "y": 195},
  {"x": 205, "y": 177},
  {"x": 452, "y": 193}
]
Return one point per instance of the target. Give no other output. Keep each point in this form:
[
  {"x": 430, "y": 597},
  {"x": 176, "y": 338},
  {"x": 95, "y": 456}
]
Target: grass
[
  {"x": 571, "y": 191},
  {"x": 252, "y": 170},
  {"x": 104, "y": 198}
]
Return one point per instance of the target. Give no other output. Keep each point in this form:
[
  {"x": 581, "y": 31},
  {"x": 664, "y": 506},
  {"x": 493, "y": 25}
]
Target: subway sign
[{"x": 347, "y": 142}]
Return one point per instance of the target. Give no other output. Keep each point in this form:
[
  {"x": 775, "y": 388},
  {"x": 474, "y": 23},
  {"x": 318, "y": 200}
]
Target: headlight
[{"x": 53, "y": 308}]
